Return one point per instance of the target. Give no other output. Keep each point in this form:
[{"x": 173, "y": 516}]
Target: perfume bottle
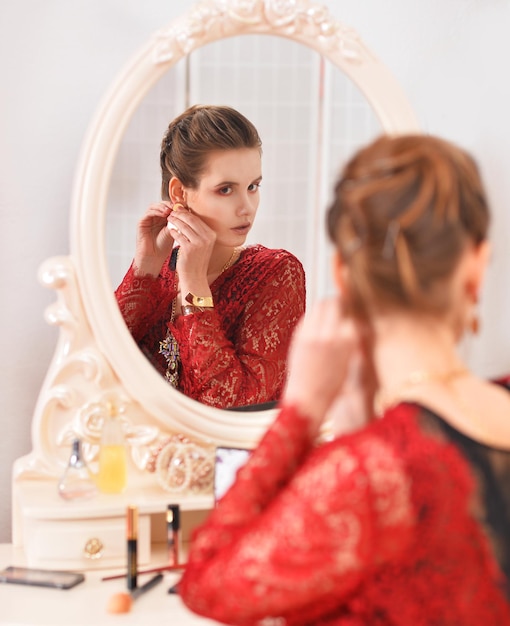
[
  {"x": 76, "y": 482},
  {"x": 112, "y": 476}
]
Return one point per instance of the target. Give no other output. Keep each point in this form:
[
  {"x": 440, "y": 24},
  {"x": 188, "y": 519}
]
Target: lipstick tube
[
  {"x": 132, "y": 546},
  {"x": 173, "y": 524}
]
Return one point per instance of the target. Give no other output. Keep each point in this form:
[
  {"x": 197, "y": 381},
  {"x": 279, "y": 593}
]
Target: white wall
[{"x": 57, "y": 58}]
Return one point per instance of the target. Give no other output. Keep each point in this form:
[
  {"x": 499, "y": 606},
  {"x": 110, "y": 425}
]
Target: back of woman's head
[
  {"x": 193, "y": 135},
  {"x": 403, "y": 212}
]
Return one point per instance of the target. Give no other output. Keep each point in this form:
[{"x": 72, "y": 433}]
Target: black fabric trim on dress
[
  {"x": 172, "y": 261},
  {"x": 491, "y": 466}
]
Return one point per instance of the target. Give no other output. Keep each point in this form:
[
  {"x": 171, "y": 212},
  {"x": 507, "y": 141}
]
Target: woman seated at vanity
[
  {"x": 213, "y": 316},
  {"x": 403, "y": 520}
]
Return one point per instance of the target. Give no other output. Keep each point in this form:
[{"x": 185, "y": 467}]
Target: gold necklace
[
  {"x": 212, "y": 276},
  {"x": 230, "y": 262},
  {"x": 384, "y": 399}
]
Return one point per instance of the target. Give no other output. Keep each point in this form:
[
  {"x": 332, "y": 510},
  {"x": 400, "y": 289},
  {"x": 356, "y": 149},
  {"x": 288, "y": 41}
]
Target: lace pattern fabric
[
  {"x": 232, "y": 355},
  {"x": 374, "y": 528}
]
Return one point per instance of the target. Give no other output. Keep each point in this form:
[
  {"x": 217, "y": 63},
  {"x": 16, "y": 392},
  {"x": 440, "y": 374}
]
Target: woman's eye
[
  {"x": 225, "y": 191},
  {"x": 254, "y": 187}
]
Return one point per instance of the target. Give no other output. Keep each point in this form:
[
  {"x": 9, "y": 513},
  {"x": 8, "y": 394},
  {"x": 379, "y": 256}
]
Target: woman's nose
[{"x": 248, "y": 204}]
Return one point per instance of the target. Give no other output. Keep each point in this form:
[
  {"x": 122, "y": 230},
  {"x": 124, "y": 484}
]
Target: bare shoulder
[
  {"x": 481, "y": 409},
  {"x": 477, "y": 408}
]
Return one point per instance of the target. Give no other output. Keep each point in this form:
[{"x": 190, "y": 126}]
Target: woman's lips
[{"x": 241, "y": 230}]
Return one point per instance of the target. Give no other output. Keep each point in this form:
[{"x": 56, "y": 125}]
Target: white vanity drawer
[{"x": 83, "y": 543}]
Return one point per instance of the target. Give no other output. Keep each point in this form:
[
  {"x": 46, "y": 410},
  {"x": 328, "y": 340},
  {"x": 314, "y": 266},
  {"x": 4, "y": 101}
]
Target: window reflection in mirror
[{"x": 310, "y": 117}]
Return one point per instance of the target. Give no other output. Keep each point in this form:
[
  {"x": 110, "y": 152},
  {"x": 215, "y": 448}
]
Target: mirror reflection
[
  {"x": 213, "y": 316},
  {"x": 310, "y": 117}
]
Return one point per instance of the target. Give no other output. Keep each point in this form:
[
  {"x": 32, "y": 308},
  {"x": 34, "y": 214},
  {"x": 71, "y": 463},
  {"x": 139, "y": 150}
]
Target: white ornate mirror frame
[{"x": 96, "y": 359}]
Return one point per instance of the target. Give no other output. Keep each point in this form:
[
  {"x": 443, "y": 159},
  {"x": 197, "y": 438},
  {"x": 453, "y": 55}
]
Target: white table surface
[{"x": 85, "y": 604}]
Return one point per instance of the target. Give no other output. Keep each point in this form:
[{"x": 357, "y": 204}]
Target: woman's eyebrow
[
  {"x": 231, "y": 183},
  {"x": 226, "y": 183}
]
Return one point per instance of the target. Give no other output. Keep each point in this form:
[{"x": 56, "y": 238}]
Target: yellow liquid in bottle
[{"x": 112, "y": 476}]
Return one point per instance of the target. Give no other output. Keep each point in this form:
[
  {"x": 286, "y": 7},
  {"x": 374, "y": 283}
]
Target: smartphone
[
  {"x": 40, "y": 577},
  {"x": 227, "y": 462}
]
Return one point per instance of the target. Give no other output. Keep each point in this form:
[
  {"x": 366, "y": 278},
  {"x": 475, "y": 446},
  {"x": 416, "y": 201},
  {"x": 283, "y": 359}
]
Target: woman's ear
[
  {"x": 476, "y": 265},
  {"x": 176, "y": 190},
  {"x": 484, "y": 252},
  {"x": 482, "y": 257}
]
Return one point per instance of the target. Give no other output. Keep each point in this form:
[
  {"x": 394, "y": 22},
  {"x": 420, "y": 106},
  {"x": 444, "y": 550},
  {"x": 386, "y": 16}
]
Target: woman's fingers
[
  {"x": 194, "y": 229},
  {"x": 157, "y": 212},
  {"x": 318, "y": 362},
  {"x": 153, "y": 240},
  {"x": 196, "y": 240},
  {"x": 173, "y": 228},
  {"x": 153, "y": 220}
]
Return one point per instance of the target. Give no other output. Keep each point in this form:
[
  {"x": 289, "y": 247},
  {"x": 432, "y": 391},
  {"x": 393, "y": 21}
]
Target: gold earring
[
  {"x": 179, "y": 206},
  {"x": 474, "y": 323}
]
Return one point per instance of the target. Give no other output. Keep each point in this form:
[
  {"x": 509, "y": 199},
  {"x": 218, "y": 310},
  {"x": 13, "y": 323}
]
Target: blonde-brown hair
[
  {"x": 404, "y": 209},
  {"x": 197, "y": 132}
]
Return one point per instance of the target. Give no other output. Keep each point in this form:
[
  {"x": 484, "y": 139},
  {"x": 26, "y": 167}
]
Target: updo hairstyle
[
  {"x": 197, "y": 132},
  {"x": 403, "y": 211}
]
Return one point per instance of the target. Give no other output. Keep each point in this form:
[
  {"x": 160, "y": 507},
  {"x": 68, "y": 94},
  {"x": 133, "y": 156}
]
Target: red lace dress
[
  {"x": 235, "y": 354},
  {"x": 404, "y": 523}
]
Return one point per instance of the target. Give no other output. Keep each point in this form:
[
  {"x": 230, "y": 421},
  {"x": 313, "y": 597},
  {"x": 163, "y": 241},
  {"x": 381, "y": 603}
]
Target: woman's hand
[
  {"x": 164, "y": 223},
  {"x": 353, "y": 407},
  {"x": 196, "y": 240},
  {"x": 326, "y": 358},
  {"x": 154, "y": 241}
]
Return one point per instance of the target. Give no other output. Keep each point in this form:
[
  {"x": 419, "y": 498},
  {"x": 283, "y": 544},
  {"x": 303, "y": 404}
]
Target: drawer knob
[{"x": 93, "y": 549}]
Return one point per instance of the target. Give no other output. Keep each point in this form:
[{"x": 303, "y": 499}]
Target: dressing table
[
  {"x": 96, "y": 361},
  {"x": 85, "y": 604}
]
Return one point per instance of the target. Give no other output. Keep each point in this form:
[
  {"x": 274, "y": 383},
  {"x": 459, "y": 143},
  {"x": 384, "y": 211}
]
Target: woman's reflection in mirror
[{"x": 214, "y": 316}]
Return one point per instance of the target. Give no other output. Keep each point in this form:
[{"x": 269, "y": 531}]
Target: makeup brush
[
  {"x": 163, "y": 568},
  {"x": 122, "y": 602}
]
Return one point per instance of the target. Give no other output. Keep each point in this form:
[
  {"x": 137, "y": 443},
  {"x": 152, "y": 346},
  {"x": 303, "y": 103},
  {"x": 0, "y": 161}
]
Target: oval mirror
[{"x": 302, "y": 22}]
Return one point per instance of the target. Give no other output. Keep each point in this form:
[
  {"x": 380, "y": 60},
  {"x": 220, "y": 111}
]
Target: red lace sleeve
[
  {"x": 251, "y": 367},
  {"x": 144, "y": 301},
  {"x": 299, "y": 529}
]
